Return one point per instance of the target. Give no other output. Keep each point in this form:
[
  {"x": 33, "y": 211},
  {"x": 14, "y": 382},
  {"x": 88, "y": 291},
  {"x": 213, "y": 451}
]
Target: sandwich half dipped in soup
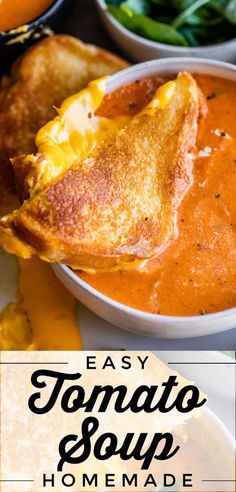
[{"x": 130, "y": 189}]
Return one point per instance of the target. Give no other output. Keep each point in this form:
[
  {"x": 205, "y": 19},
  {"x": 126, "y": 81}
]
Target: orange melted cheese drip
[
  {"x": 45, "y": 316},
  {"x": 51, "y": 308},
  {"x": 15, "y": 331}
]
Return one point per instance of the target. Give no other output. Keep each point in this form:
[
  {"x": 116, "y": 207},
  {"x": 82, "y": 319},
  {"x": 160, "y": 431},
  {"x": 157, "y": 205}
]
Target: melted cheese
[
  {"x": 15, "y": 331},
  {"x": 45, "y": 316},
  {"x": 51, "y": 308},
  {"x": 72, "y": 135}
]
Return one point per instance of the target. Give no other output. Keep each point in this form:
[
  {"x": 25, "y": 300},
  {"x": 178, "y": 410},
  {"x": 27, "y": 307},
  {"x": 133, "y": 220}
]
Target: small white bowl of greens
[{"x": 147, "y": 29}]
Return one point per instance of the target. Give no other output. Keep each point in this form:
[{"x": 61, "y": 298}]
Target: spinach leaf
[
  {"x": 159, "y": 2},
  {"x": 206, "y": 36},
  {"x": 181, "y": 18},
  {"x": 189, "y": 35},
  {"x": 148, "y": 28},
  {"x": 114, "y": 2},
  {"x": 180, "y": 5},
  {"x": 197, "y": 20},
  {"x": 136, "y": 6},
  {"x": 227, "y": 8}
]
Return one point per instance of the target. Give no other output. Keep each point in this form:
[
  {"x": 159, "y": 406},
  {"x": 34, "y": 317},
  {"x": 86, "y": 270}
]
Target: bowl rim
[
  {"x": 37, "y": 20},
  {"x": 68, "y": 272},
  {"x": 156, "y": 44}
]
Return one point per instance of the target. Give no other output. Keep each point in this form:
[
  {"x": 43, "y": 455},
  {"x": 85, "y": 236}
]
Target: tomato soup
[
  {"x": 196, "y": 274},
  {"x": 15, "y": 13}
]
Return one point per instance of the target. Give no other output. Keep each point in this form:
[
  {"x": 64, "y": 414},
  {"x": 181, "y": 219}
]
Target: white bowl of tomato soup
[{"x": 189, "y": 290}]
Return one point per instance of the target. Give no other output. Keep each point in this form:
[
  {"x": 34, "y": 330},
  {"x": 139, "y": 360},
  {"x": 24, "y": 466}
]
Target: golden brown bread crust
[
  {"x": 120, "y": 203},
  {"x": 42, "y": 78}
]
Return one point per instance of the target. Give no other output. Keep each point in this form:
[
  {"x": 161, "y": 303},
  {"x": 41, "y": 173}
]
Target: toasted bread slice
[
  {"x": 41, "y": 79},
  {"x": 118, "y": 205}
]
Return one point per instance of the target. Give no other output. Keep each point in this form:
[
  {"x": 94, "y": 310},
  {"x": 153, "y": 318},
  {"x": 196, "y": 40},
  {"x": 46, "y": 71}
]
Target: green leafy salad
[{"x": 178, "y": 22}]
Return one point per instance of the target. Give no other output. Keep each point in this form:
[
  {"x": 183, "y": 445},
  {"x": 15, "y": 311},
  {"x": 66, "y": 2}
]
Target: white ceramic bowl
[
  {"x": 119, "y": 314},
  {"x": 209, "y": 433},
  {"x": 141, "y": 49}
]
